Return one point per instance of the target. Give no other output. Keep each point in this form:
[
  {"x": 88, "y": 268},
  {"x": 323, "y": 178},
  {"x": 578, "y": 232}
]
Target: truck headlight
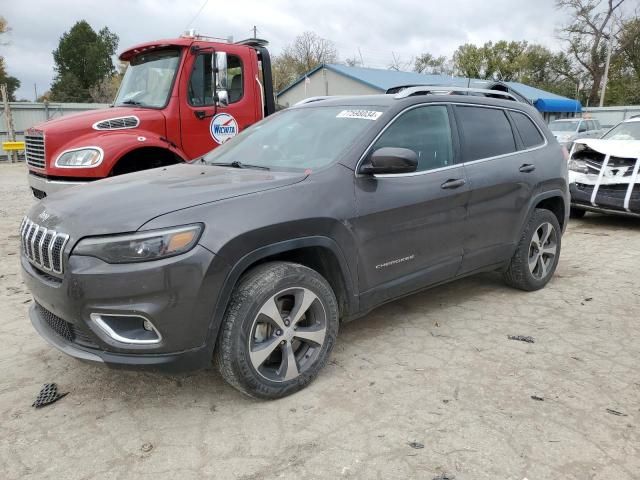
[
  {"x": 142, "y": 246},
  {"x": 578, "y": 166},
  {"x": 80, "y": 158}
]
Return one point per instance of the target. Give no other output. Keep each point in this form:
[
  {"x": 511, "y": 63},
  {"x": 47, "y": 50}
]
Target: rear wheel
[
  {"x": 537, "y": 254},
  {"x": 278, "y": 331},
  {"x": 577, "y": 212}
]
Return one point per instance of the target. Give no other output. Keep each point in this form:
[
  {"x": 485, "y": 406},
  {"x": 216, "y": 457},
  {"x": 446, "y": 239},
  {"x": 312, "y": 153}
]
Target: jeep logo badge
[{"x": 44, "y": 216}]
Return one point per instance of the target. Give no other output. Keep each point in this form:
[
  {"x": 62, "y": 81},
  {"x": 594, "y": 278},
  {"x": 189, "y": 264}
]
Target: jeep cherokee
[{"x": 253, "y": 254}]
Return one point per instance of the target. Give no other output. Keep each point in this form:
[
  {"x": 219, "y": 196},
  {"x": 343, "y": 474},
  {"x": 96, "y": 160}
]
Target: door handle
[
  {"x": 527, "y": 167},
  {"x": 453, "y": 183}
]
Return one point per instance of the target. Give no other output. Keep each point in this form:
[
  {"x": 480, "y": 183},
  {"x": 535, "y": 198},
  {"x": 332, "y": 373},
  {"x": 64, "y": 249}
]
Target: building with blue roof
[{"x": 335, "y": 79}]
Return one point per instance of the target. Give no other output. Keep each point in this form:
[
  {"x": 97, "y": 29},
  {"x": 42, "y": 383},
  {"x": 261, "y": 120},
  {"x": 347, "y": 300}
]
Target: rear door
[
  {"x": 501, "y": 181},
  {"x": 410, "y": 226}
]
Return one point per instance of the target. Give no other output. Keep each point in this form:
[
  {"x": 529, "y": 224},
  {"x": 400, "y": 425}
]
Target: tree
[
  {"x": 83, "y": 60},
  {"x": 587, "y": 34},
  {"x": 307, "y": 51},
  {"x": 624, "y": 75},
  {"x": 469, "y": 61},
  {"x": 428, "y": 64},
  {"x": 12, "y": 82}
]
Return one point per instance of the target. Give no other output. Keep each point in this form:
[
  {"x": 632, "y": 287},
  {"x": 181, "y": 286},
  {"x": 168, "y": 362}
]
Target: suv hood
[{"x": 125, "y": 203}]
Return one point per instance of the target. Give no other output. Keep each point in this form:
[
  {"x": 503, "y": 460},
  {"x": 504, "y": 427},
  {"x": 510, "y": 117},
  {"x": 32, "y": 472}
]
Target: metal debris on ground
[
  {"x": 48, "y": 394},
  {"x": 536, "y": 397},
  {"x": 445, "y": 476},
  {"x": 615, "y": 412},
  {"x": 416, "y": 445},
  {"x": 146, "y": 447},
  {"x": 521, "y": 338}
]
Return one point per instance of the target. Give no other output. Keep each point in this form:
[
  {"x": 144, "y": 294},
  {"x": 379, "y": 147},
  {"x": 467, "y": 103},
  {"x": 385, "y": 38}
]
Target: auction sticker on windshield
[
  {"x": 364, "y": 114},
  {"x": 223, "y": 127}
]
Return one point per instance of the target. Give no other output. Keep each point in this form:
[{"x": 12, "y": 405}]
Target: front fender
[{"x": 115, "y": 145}]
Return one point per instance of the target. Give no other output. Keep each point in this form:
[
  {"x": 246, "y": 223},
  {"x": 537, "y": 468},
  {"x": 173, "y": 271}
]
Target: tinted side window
[
  {"x": 529, "y": 133},
  {"x": 486, "y": 132},
  {"x": 426, "y": 131},
  {"x": 201, "y": 81}
]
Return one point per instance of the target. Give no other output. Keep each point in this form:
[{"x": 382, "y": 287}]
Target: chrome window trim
[
  {"x": 423, "y": 172},
  {"x": 104, "y": 326}
]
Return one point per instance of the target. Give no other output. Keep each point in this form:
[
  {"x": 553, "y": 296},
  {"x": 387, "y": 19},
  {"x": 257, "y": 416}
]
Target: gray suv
[{"x": 253, "y": 255}]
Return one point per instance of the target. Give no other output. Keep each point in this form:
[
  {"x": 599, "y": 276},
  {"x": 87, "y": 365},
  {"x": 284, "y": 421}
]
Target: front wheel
[
  {"x": 537, "y": 254},
  {"x": 278, "y": 331}
]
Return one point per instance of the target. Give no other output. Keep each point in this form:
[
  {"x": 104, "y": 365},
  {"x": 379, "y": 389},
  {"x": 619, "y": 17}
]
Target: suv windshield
[
  {"x": 624, "y": 131},
  {"x": 148, "y": 79},
  {"x": 297, "y": 139},
  {"x": 563, "y": 126}
]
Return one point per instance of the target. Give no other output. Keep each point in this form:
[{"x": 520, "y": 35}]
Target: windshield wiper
[
  {"x": 131, "y": 102},
  {"x": 239, "y": 164}
]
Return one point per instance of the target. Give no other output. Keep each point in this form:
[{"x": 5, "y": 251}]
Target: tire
[
  {"x": 271, "y": 353},
  {"x": 577, "y": 212},
  {"x": 533, "y": 264}
]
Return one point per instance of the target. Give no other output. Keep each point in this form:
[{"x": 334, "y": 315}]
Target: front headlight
[
  {"x": 578, "y": 166},
  {"x": 140, "y": 247},
  {"x": 80, "y": 158}
]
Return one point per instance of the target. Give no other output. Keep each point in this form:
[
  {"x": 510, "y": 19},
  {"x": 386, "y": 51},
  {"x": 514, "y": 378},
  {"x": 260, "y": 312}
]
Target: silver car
[{"x": 570, "y": 129}]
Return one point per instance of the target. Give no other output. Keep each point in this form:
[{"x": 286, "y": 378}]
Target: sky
[{"x": 373, "y": 29}]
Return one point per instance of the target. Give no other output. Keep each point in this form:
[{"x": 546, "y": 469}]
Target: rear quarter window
[
  {"x": 529, "y": 133},
  {"x": 486, "y": 132}
]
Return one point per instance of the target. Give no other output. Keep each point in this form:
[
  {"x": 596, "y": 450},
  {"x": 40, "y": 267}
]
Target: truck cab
[{"x": 179, "y": 98}]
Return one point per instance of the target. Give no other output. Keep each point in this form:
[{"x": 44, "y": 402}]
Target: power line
[{"x": 196, "y": 15}]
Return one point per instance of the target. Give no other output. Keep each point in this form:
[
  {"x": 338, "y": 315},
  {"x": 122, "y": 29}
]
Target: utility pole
[
  {"x": 9, "y": 120},
  {"x": 605, "y": 78},
  {"x": 35, "y": 92}
]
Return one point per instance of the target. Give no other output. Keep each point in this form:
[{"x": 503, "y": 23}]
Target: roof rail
[
  {"x": 452, "y": 90},
  {"x": 313, "y": 99}
]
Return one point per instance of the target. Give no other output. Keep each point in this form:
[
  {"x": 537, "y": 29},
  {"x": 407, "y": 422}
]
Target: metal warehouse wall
[
  {"x": 26, "y": 115},
  {"x": 325, "y": 82},
  {"x": 609, "y": 116}
]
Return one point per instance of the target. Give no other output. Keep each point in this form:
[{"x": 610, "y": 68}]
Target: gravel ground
[{"x": 423, "y": 387}]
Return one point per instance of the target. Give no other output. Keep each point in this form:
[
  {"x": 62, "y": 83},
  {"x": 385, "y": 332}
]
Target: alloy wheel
[
  {"x": 542, "y": 250},
  {"x": 287, "y": 334}
]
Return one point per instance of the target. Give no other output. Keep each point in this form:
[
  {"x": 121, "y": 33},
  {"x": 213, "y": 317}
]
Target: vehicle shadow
[{"x": 593, "y": 220}]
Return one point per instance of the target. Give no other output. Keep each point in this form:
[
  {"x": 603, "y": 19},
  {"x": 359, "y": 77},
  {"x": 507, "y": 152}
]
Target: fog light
[{"x": 147, "y": 326}]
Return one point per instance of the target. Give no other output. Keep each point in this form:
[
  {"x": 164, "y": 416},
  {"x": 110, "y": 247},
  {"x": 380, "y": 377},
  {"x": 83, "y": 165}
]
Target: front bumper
[
  {"x": 177, "y": 294},
  {"x": 42, "y": 186},
  {"x": 608, "y": 199}
]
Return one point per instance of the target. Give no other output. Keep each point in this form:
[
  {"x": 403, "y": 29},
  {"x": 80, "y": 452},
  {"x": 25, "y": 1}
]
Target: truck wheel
[
  {"x": 537, "y": 254},
  {"x": 577, "y": 212},
  {"x": 278, "y": 330}
]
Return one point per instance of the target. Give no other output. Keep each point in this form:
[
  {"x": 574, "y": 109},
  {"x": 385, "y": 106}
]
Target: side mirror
[
  {"x": 220, "y": 71},
  {"x": 391, "y": 160}
]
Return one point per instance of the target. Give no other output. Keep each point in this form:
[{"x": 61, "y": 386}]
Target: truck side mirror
[{"x": 220, "y": 72}]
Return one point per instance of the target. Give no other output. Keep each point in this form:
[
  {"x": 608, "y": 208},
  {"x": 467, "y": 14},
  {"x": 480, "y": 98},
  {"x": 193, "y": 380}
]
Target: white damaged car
[{"x": 604, "y": 173}]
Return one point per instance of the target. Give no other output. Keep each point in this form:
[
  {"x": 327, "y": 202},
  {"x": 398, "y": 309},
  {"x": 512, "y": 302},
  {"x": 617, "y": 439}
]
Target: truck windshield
[
  {"x": 563, "y": 126},
  {"x": 624, "y": 131},
  {"x": 297, "y": 139},
  {"x": 148, "y": 79}
]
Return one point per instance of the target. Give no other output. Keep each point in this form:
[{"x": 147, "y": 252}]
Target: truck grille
[
  {"x": 43, "y": 247},
  {"x": 34, "y": 148}
]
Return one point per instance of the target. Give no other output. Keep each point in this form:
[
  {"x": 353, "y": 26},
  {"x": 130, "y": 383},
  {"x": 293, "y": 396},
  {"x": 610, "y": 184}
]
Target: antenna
[{"x": 196, "y": 15}]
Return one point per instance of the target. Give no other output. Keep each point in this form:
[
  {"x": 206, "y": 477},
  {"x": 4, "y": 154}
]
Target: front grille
[
  {"x": 617, "y": 191},
  {"x": 119, "y": 123},
  {"x": 34, "y": 148},
  {"x": 43, "y": 247},
  {"x": 68, "y": 331}
]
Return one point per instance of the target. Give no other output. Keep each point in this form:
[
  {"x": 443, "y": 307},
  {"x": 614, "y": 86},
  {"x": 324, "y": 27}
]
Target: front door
[
  {"x": 203, "y": 125},
  {"x": 410, "y": 227}
]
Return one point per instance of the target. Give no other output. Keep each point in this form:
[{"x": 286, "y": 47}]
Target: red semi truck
[{"x": 179, "y": 99}]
